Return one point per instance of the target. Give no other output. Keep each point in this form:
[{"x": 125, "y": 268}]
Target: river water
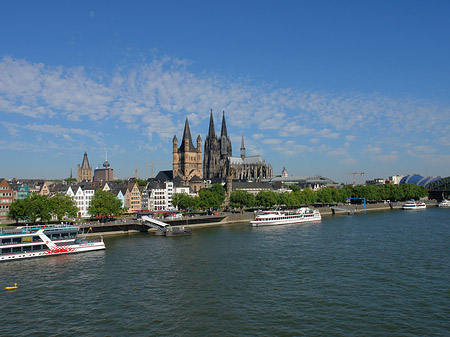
[{"x": 376, "y": 274}]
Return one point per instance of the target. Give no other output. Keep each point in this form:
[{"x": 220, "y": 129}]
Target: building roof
[
  {"x": 417, "y": 179},
  {"x": 245, "y": 185},
  {"x": 164, "y": 175},
  {"x": 246, "y": 160}
]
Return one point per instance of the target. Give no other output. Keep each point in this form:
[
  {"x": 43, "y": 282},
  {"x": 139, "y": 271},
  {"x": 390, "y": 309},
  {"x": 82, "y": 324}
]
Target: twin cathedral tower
[{"x": 218, "y": 160}]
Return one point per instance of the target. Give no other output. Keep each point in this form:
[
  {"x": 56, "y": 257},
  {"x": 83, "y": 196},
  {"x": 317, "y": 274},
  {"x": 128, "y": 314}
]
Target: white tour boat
[
  {"x": 444, "y": 203},
  {"x": 414, "y": 205},
  {"x": 274, "y": 218},
  {"x": 26, "y": 242}
]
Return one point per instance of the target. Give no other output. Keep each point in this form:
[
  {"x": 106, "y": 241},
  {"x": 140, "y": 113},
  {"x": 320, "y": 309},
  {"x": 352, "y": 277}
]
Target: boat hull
[
  {"x": 279, "y": 218},
  {"x": 282, "y": 222},
  {"x": 60, "y": 250}
]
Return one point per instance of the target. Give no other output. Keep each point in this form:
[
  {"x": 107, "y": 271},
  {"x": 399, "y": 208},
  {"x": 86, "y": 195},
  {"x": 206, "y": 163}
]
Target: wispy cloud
[{"x": 152, "y": 99}]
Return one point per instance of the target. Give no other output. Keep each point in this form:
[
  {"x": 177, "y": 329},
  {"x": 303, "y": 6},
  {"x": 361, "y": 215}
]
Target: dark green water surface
[{"x": 378, "y": 274}]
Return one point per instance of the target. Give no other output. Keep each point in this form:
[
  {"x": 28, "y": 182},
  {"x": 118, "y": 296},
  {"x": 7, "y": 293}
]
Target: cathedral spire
[
  {"x": 223, "y": 133},
  {"x": 242, "y": 148},
  {"x": 211, "y": 132}
]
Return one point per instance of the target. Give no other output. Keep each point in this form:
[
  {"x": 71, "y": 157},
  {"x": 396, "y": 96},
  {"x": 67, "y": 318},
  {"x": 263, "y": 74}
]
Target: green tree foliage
[
  {"x": 63, "y": 205},
  {"x": 294, "y": 188},
  {"x": 184, "y": 201},
  {"x": 388, "y": 192},
  {"x": 141, "y": 182},
  {"x": 208, "y": 198},
  {"x": 105, "y": 203},
  {"x": 17, "y": 210},
  {"x": 241, "y": 199},
  {"x": 34, "y": 207},
  {"x": 266, "y": 199}
]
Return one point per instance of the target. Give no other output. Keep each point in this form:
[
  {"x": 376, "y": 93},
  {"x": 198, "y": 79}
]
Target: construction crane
[
  {"x": 354, "y": 175},
  {"x": 152, "y": 163},
  {"x": 362, "y": 173}
]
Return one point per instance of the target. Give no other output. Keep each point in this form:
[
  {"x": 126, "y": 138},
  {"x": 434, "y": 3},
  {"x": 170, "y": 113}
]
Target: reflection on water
[{"x": 373, "y": 274}]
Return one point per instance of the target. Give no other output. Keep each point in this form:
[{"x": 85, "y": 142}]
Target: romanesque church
[{"x": 187, "y": 160}]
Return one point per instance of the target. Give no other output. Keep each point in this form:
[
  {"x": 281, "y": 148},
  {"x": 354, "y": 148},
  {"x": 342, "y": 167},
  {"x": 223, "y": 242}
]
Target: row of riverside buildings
[{"x": 154, "y": 196}]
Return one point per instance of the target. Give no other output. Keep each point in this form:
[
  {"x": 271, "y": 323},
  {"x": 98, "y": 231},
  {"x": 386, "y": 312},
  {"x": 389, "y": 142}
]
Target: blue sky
[{"x": 320, "y": 87}]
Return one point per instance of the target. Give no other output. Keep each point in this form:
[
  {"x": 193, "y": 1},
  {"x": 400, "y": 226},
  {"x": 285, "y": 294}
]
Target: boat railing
[{"x": 33, "y": 228}]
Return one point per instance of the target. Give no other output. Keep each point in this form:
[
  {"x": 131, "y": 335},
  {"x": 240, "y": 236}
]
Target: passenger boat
[
  {"x": 275, "y": 218},
  {"x": 444, "y": 203},
  {"x": 28, "y": 241},
  {"x": 411, "y": 205}
]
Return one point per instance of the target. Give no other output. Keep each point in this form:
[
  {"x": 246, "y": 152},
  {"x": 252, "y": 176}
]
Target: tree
[
  {"x": 294, "y": 188},
  {"x": 63, "y": 205},
  {"x": 184, "y": 201},
  {"x": 209, "y": 199},
  {"x": 266, "y": 199},
  {"x": 17, "y": 210},
  {"x": 38, "y": 207},
  {"x": 241, "y": 199},
  {"x": 104, "y": 203}
]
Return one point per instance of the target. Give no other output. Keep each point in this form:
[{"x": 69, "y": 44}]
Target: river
[{"x": 375, "y": 274}]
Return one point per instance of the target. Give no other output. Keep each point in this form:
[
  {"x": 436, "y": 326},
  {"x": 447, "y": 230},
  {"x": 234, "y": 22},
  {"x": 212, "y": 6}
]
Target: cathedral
[
  {"x": 217, "y": 151},
  {"x": 218, "y": 160}
]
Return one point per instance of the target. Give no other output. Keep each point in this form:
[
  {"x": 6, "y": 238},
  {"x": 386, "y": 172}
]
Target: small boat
[
  {"x": 30, "y": 241},
  {"x": 412, "y": 205},
  {"x": 164, "y": 229},
  {"x": 444, "y": 203},
  {"x": 177, "y": 231},
  {"x": 277, "y": 217},
  {"x": 11, "y": 288}
]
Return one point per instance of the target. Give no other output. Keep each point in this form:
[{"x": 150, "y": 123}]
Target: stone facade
[
  {"x": 187, "y": 159},
  {"x": 84, "y": 172},
  {"x": 217, "y": 150},
  {"x": 219, "y": 161}
]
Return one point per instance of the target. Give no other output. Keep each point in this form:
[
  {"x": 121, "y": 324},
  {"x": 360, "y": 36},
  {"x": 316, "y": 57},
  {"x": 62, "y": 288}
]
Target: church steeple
[
  {"x": 187, "y": 132},
  {"x": 211, "y": 132},
  {"x": 242, "y": 148},
  {"x": 186, "y": 142},
  {"x": 223, "y": 132},
  {"x": 85, "y": 164}
]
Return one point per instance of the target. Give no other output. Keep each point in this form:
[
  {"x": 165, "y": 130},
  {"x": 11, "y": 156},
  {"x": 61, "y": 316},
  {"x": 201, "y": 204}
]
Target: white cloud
[{"x": 154, "y": 98}]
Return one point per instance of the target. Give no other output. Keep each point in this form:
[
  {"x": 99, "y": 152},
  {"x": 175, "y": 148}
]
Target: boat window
[
  {"x": 17, "y": 249},
  {"x": 38, "y": 247},
  {"x": 6, "y": 250},
  {"x": 36, "y": 239},
  {"x": 17, "y": 240},
  {"x": 6, "y": 241}
]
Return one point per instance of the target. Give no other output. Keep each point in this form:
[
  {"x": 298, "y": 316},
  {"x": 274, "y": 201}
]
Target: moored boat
[
  {"x": 276, "y": 217},
  {"x": 28, "y": 241},
  {"x": 444, "y": 203},
  {"x": 412, "y": 205}
]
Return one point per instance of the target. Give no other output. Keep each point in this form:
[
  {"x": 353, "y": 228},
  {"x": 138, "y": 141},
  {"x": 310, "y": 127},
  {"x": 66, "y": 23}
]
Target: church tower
[
  {"x": 225, "y": 142},
  {"x": 217, "y": 151},
  {"x": 187, "y": 159},
  {"x": 84, "y": 172},
  {"x": 210, "y": 157}
]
